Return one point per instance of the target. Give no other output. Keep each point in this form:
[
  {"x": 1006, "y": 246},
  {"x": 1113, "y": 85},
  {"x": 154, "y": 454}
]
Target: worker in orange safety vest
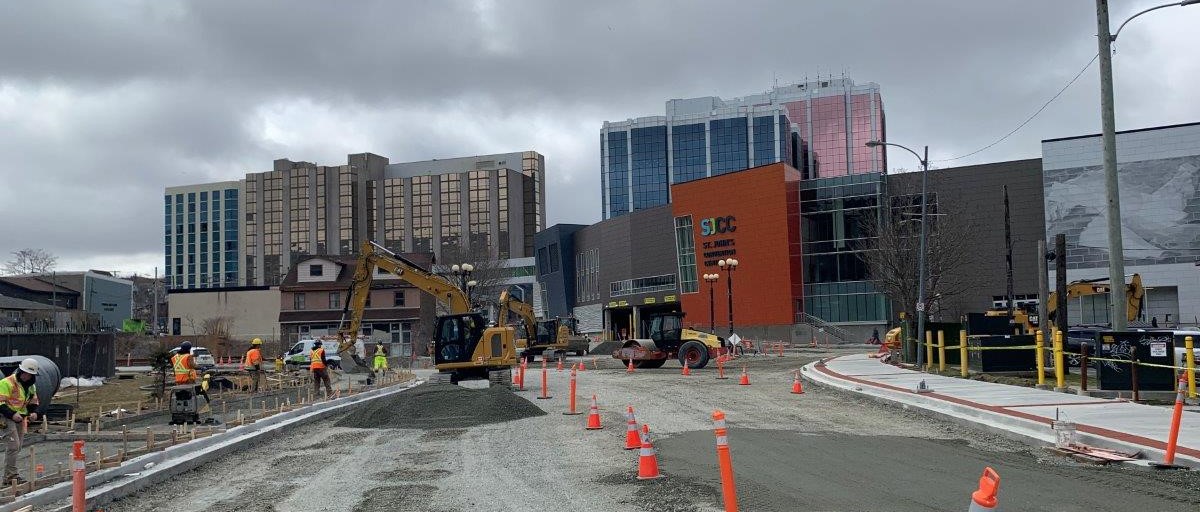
[
  {"x": 316, "y": 363},
  {"x": 253, "y": 364}
]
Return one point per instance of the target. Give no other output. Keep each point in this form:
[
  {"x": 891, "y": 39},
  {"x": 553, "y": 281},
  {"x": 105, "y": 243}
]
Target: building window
[
  {"x": 665, "y": 282},
  {"x": 316, "y": 270},
  {"x": 398, "y": 299},
  {"x": 298, "y": 301},
  {"x": 554, "y": 255},
  {"x": 685, "y": 249},
  {"x": 335, "y": 300}
]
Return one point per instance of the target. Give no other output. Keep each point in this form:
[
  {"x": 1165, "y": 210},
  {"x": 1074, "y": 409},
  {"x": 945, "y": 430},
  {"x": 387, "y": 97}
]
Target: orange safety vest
[
  {"x": 14, "y": 396},
  {"x": 254, "y": 359},
  {"x": 184, "y": 373},
  {"x": 314, "y": 359}
]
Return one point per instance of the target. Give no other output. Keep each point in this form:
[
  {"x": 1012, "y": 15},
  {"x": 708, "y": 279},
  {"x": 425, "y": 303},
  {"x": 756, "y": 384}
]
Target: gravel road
[{"x": 819, "y": 451}]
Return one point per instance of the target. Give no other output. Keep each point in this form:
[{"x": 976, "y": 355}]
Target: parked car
[
  {"x": 298, "y": 355},
  {"x": 203, "y": 359}
]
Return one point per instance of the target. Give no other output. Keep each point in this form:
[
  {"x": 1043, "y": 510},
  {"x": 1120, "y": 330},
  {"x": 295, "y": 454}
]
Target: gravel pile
[{"x": 437, "y": 406}]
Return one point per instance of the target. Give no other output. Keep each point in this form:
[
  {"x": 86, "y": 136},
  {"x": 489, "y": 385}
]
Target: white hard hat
[{"x": 29, "y": 366}]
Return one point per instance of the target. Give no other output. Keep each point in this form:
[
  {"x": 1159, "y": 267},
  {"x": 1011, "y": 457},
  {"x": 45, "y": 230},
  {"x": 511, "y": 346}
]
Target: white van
[{"x": 298, "y": 355}]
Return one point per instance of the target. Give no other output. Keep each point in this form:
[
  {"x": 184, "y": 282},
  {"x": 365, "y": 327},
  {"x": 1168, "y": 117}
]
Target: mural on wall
[{"x": 1160, "y": 211}]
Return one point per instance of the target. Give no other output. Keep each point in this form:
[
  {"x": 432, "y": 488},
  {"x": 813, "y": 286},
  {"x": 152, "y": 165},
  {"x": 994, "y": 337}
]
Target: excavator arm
[
  {"x": 373, "y": 256},
  {"x": 508, "y": 303},
  {"x": 1135, "y": 295}
]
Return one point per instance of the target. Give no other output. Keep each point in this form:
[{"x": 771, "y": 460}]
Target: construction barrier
[
  {"x": 571, "y": 398},
  {"x": 984, "y": 498},
  {"x": 1176, "y": 416}
]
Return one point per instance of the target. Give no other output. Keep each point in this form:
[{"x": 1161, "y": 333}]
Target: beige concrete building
[{"x": 242, "y": 313}]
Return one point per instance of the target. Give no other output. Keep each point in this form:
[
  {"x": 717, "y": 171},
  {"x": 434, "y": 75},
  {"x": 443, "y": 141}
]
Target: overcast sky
[{"x": 103, "y": 104}]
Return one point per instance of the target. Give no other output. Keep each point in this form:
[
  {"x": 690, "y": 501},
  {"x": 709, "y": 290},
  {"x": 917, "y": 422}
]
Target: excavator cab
[
  {"x": 666, "y": 329},
  {"x": 465, "y": 348}
]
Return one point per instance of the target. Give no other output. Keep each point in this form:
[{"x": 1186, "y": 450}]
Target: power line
[{"x": 1035, "y": 114}]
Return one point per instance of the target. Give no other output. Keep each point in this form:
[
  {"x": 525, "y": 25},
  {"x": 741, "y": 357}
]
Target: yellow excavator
[
  {"x": 542, "y": 337},
  {"x": 1135, "y": 295},
  {"x": 464, "y": 348}
]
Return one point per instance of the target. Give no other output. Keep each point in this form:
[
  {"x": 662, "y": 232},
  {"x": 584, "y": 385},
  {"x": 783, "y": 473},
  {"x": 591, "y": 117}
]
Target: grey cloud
[{"x": 149, "y": 94}]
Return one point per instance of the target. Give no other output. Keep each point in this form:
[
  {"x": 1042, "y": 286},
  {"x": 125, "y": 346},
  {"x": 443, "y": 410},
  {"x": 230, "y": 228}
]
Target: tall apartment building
[
  {"x": 201, "y": 235},
  {"x": 819, "y": 127},
  {"x": 472, "y": 207}
]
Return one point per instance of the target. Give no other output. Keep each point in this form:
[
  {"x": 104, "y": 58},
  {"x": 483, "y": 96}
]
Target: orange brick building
[{"x": 752, "y": 216}]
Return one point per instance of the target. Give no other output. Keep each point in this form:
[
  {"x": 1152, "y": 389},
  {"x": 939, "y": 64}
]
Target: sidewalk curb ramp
[
  {"x": 1009, "y": 425},
  {"x": 107, "y": 485}
]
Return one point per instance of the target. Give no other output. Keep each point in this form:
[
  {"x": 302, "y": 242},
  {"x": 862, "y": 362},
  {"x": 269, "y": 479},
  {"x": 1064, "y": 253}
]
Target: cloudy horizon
[{"x": 105, "y": 104}]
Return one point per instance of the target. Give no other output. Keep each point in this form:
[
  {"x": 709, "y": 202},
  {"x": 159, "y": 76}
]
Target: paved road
[{"x": 819, "y": 451}]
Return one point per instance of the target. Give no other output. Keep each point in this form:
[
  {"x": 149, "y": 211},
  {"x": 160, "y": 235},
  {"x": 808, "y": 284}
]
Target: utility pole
[
  {"x": 1008, "y": 259},
  {"x": 1116, "y": 252},
  {"x": 1043, "y": 290},
  {"x": 1060, "y": 282}
]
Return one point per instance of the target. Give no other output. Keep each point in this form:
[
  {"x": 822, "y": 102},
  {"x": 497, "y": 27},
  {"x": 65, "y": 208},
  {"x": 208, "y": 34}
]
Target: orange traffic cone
[
  {"x": 593, "y": 421},
  {"x": 745, "y": 381},
  {"x": 984, "y": 499},
  {"x": 582, "y": 366},
  {"x": 686, "y": 370},
  {"x": 630, "y": 369},
  {"x": 797, "y": 388},
  {"x": 559, "y": 364},
  {"x": 632, "y": 440},
  {"x": 647, "y": 460}
]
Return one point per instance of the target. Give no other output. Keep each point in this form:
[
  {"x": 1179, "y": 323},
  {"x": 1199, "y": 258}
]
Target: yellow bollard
[
  {"x": 928, "y": 350},
  {"x": 1190, "y": 360},
  {"x": 1059, "y": 373},
  {"x": 941, "y": 351},
  {"x": 1040, "y": 357},
  {"x": 962, "y": 353}
]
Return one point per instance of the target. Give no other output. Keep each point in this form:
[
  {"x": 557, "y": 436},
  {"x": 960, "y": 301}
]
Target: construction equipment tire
[{"x": 693, "y": 354}]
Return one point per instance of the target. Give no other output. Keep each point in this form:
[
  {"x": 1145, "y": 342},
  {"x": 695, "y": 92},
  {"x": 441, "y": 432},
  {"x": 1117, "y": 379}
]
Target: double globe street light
[{"x": 730, "y": 265}]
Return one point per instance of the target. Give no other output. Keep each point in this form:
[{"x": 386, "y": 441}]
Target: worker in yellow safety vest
[
  {"x": 253, "y": 364},
  {"x": 380, "y": 359},
  {"x": 316, "y": 363},
  {"x": 17, "y": 393}
]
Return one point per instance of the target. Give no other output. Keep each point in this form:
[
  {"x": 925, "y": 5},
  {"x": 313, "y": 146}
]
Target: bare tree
[
  {"x": 891, "y": 253},
  {"x": 30, "y": 261},
  {"x": 489, "y": 273}
]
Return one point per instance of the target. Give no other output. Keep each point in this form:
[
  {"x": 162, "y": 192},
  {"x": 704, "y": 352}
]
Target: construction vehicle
[
  {"x": 464, "y": 347},
  {"x": 547, "y": 337},
  {"x": 669, "y": 340},
  {"x": 1135, "y": 295}
]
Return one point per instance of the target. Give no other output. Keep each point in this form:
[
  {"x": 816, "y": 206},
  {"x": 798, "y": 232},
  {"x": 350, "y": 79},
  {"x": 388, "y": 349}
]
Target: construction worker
[
  {"x": 380, "y": 359},
  {"x": 185, "y": 369},
  {"x": 316, "y": 363},
  {"x": 17, "y": 392},
  {"x": 279, "y": 363},
  {"x": 254, "y": 364}
]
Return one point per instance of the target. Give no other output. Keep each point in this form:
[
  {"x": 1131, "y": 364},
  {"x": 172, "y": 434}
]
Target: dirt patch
[
  {"x": 442, "y": 406},
  {"x": 400, "y": 498},
  {"x": 663, "y": 494},
  {"x": 411, "y": 475}
]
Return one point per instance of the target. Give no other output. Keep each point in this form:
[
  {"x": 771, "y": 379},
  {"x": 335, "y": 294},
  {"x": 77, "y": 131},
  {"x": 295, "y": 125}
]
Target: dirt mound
[
  {"x": 437, "y": 406},
  {"x": 606, "y": 348}
]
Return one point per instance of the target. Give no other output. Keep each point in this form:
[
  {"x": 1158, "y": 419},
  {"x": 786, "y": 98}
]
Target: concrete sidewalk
[{"x": 1026, "y": 412}]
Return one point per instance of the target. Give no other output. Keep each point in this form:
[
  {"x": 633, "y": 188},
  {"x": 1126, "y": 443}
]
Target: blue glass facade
[
  {"x": 618, "y": 173},
  {"x": 200, "y": 239},
  {"x": 765, "y": 144},
  {"x": 649, "y": 159},
  {"x": 729, "y": 146},
  {"x": 689, "y": 156},
  {"x": 833, "y": 213}
]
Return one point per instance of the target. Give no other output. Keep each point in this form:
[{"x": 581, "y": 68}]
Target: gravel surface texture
[
  {"x": 433, "y": 406},
  {"x": 822, "y": 450}
]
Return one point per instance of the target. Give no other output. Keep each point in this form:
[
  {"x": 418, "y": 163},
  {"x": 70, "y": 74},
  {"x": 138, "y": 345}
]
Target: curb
[
  {"x": 1037, "y": 431},
  {"x": 107, "y": 485}
]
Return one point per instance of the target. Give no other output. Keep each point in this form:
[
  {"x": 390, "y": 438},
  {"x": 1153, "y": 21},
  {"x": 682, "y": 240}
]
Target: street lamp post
[
  {"x": 711, "y": 279},
  {"x": 920, "y": 257},
  {"x": 462, "y": 274},
  {"x": 1116, "y": 248},
  {"x": 730, "y": 265}
]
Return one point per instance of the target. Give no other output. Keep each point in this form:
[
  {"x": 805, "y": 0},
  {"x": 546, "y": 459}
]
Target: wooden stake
[
  {"x": 149, "y": 440},
  {"x": 124, "y": 438}
]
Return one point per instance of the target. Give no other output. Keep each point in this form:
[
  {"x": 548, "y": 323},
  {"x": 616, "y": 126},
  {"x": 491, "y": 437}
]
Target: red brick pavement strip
[{"x": 1080, "y": 427}]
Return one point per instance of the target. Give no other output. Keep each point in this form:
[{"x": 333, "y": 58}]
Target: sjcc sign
[{"x": 717, "y": 225}]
